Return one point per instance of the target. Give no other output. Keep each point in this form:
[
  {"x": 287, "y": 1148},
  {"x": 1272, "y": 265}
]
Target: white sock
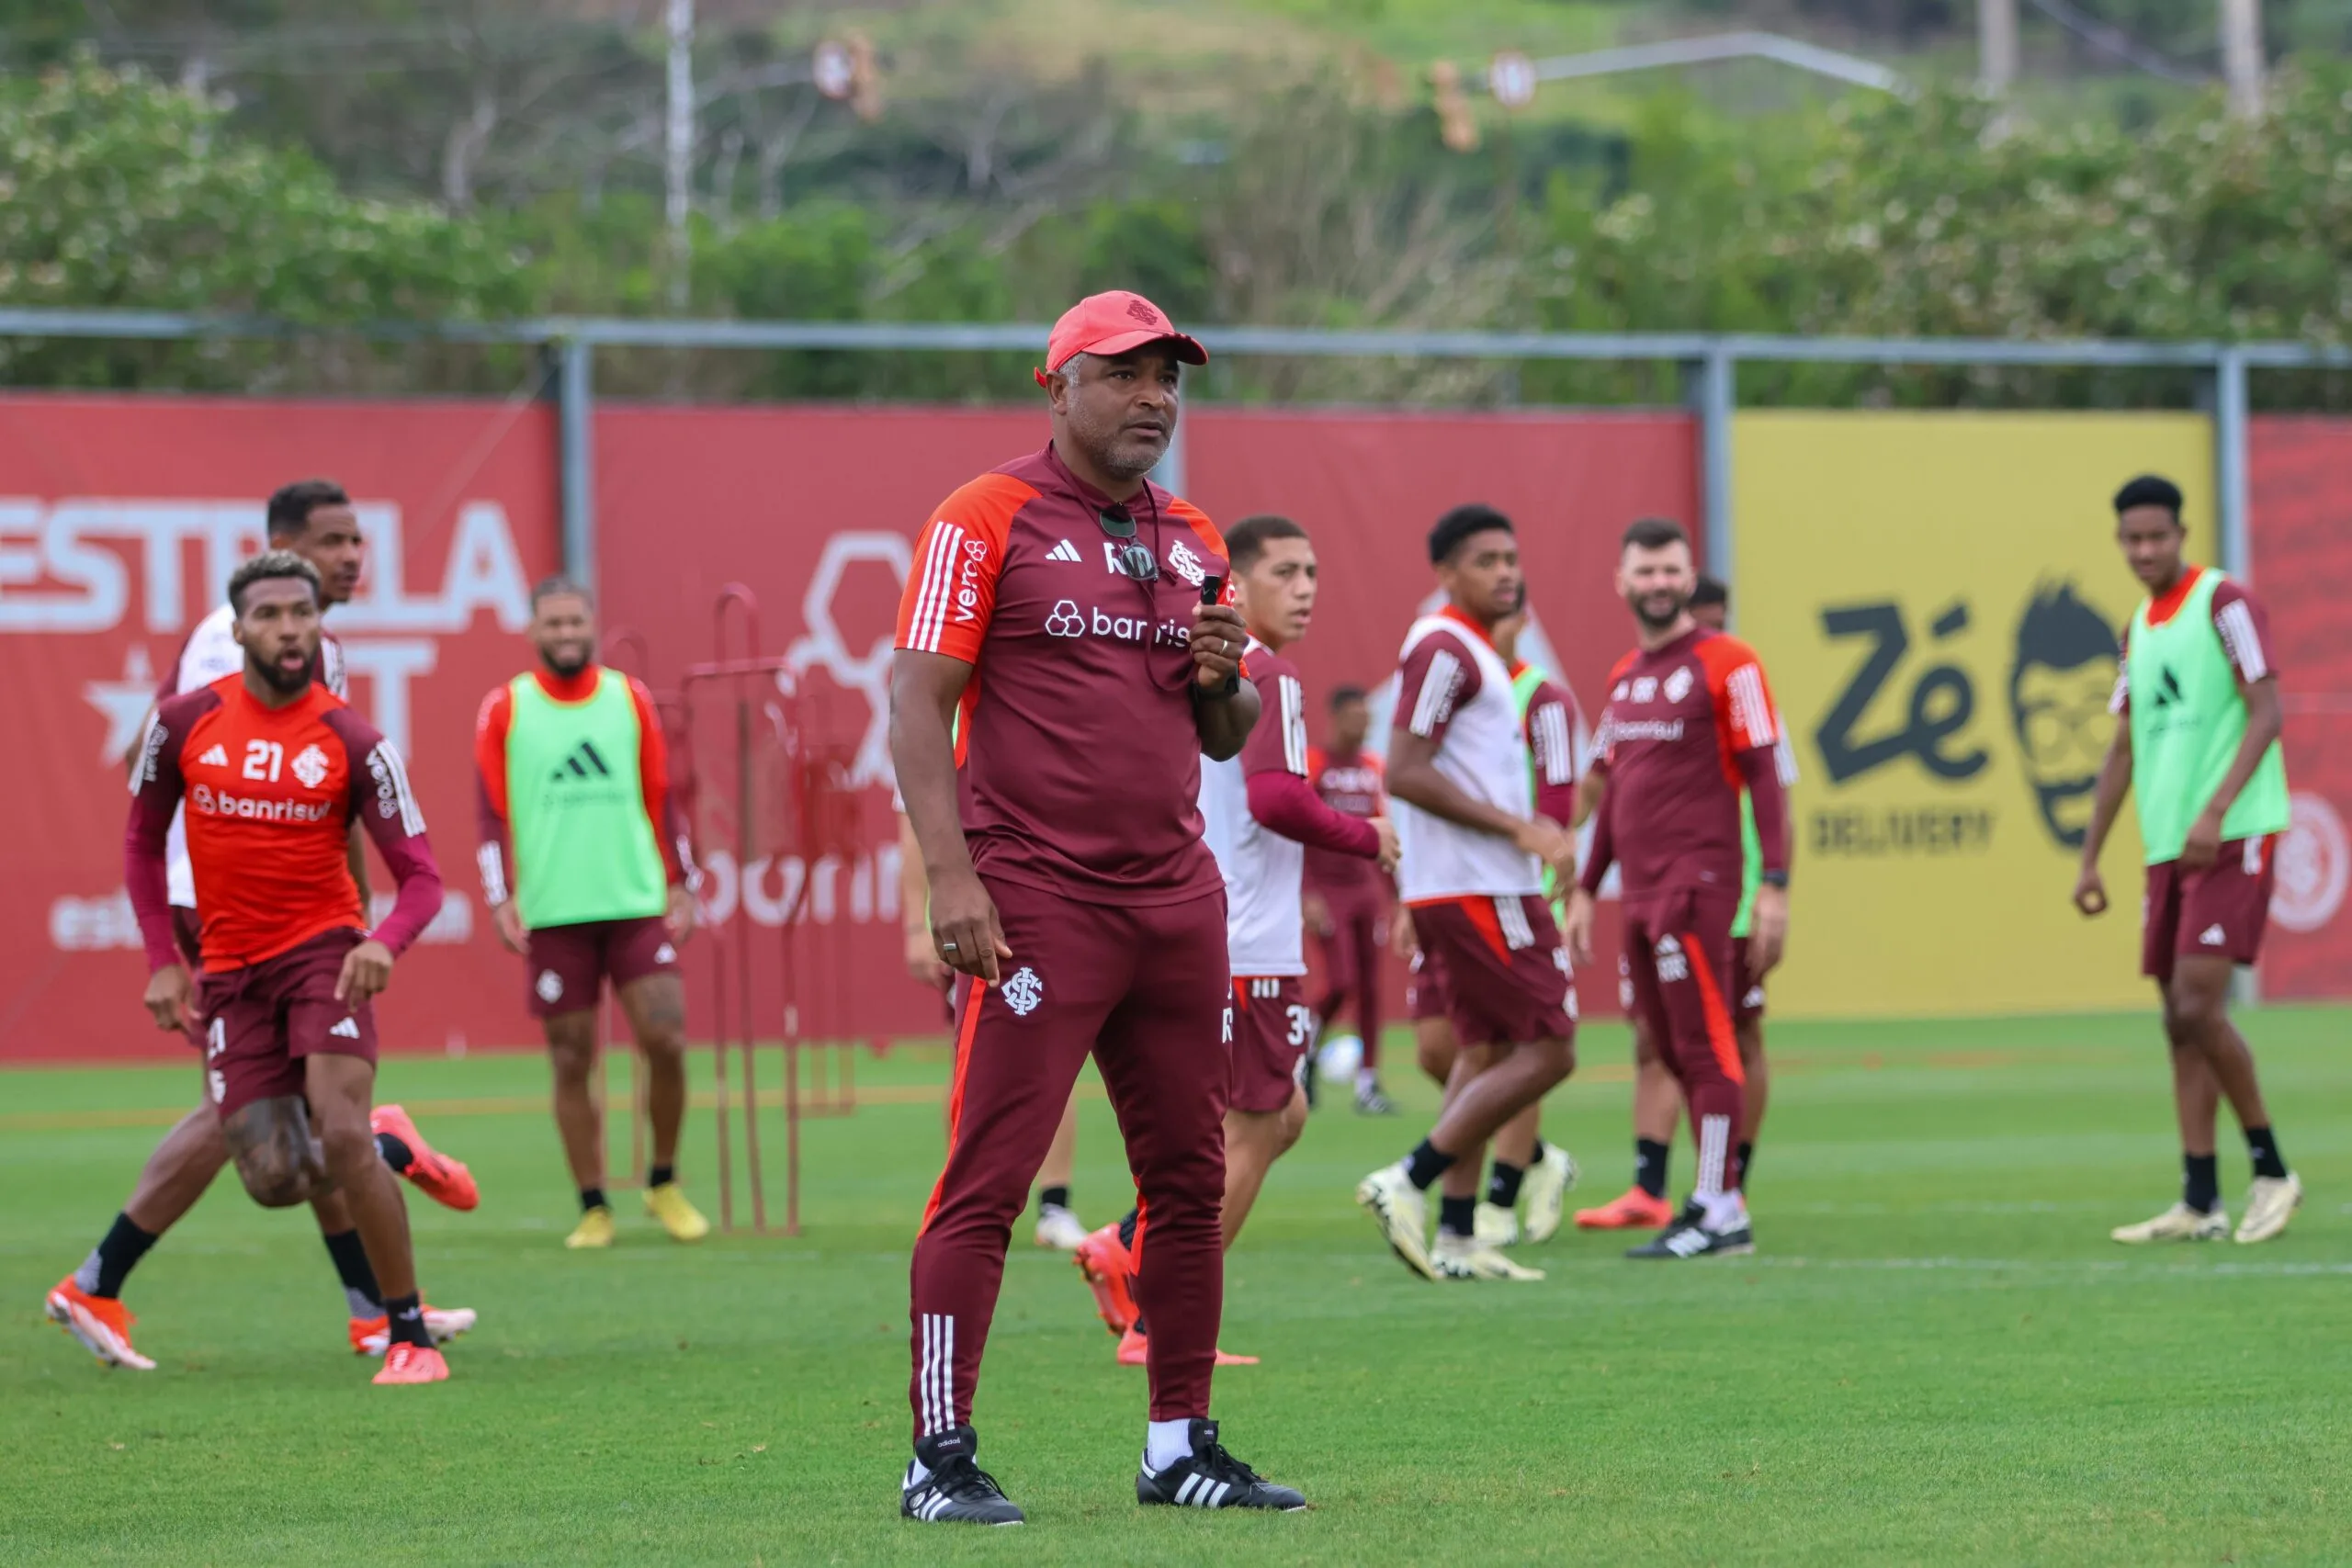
[
  {"x": 1725, "y": 1211},
  {"x": 916, "y": 1474},
  {"x": 1165, "y": 1442},
  {"x": 1367, "y": 1079}
]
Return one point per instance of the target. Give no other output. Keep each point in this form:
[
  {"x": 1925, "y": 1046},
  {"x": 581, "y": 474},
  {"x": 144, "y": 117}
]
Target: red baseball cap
[{"x": 1113, "y": 323}]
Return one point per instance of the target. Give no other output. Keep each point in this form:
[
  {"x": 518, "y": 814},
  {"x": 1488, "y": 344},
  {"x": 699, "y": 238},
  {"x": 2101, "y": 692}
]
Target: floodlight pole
[
  {"x": 2242, "y": 55},
  {"x": 1996, "y": 46},
  {"x": 679, "y": 148}
]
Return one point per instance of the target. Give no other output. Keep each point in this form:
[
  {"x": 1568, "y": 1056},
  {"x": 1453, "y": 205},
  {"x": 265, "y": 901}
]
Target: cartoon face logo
[{"x": 2061, "y": 679}]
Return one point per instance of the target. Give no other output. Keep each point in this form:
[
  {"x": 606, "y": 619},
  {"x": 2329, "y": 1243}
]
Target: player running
[
  {"x": 587, "y": 871},
  {"x": 2197, "y": 747},
  {"x": 1349, "y": 899},
  {"x": 1475, "y": 851},
  {"x": 1263, "y": 816},
  {"x": 1657, "y": 1103},
  {"x": 1062, "y": 611},
  {"x": 1689, "y": 723},
  {"x": 274, "y": 768},
  {"x": 314, "y": 519}
]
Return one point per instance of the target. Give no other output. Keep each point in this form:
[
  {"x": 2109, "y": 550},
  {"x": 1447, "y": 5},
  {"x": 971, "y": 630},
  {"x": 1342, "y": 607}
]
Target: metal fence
[{"x": 1709, "y": 365}]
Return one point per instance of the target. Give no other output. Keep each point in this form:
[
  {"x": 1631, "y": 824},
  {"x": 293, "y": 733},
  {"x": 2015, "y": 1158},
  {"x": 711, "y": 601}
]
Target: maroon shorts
[
  {"x": 2218, "y": 912},
  {"x": 1750, "y": 1006},
  {"x": 1505, "y": 975},
  {"x": 260, "y": 1022},
  {"x": 1272, "y": 1027},
  {"x": 568, "y": 963},
  {"x": 1425, "y": 993}
]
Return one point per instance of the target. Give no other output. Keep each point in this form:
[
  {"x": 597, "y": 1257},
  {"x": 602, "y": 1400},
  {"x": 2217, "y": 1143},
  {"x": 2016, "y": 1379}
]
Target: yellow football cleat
[
  {"x": 668, "y": 1204},
  {"x": 2269, "y": 1205},
  {"x": 1495, "y": 1226},
  {"x": 1466, "y": 1257},
  {"x": 594, "y": 1229}
]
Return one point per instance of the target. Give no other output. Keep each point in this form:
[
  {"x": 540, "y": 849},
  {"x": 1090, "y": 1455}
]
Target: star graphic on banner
[{"x": 125, "y": 702}]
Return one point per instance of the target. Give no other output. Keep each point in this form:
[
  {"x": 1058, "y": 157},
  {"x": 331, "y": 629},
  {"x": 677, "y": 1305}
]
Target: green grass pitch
[{"x": 1938, "y": 1357}]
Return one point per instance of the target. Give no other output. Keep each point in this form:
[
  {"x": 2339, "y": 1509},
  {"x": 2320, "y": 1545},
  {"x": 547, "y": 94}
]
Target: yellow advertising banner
[{"x": 1936, "y": 599}]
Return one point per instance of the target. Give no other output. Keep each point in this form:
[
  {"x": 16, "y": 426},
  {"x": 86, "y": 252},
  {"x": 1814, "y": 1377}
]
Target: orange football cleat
[
  {"x": 1135, "y": 1347},
  {"x": 101, "y": 1323},
  {"x": 406, "y": 1363},
  {"x": 445, "y": 1180},
  {"x": 1104, "y": 1262},
  {"x": 1632, "y": 1209}
]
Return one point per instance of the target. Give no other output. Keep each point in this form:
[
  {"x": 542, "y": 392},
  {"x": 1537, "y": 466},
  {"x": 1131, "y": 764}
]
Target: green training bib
[
  {"x": 1523, "y": 696},
  {"x": 575, "y": 801},
  {"x": 2187, "y": 718}
]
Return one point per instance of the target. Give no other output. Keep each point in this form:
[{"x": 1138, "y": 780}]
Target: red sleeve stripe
[
  {"x": 2245, "y": 644},
  {"x": 1435, "y": 703},
  {"x": 1749, "y": 708},
  {"x": 1294, "y": 718},
  {"x": 929, "y": 617}
]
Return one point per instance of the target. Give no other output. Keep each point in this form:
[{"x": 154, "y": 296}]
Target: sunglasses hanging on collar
[{"x": 1133, "y": 559}]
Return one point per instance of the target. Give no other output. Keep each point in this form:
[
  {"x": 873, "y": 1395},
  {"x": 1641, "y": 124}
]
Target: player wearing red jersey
[
  {"x": 1061, "y": 672},
  {"x": 1474, "y": 855},
  {"x": 274, "y": 769},
  {"x": 1690, "y": 724},
  {"x": 314, "y": 519},
  {"x": 1657, "y": 1103},
  {"x": 1262, "y": 817},
  {"x": 587, "y": 870},
  {"x": 1349, "y": 898}
]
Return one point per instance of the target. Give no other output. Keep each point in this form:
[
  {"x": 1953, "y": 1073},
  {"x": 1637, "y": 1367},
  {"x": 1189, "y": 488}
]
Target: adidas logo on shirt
[
  {"x": 585, "y": 761},
  {"x": 215, "y": 756},
  {"x": 347, "y": 1030},
  {"x": 1063, "y": 551},
  {"x": 2213, "y": 936}
]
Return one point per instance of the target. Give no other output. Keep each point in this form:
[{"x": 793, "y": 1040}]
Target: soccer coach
[{"x": 1063, "y": 662}]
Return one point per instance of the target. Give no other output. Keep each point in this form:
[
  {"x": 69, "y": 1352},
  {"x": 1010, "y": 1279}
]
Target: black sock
[
  {"x": 2263, "y": 1149},
  {"x": 593, "y": 1198},
  {"x": 1650, "y": 1166},
  {"x": 394, "y": 1153},
  {"x": 661, "y": 1175},
  {"x": 1140, "y": 1328},
  {"x": 359, "y": 1287},
  {"x": 2201, "y": 1186},
  {"x": 1535, "y": 1153},
  {"x": 103, "y": 1272},
  {"x": 1502, "y": 1184},
  {"x": 1052, "y": 1197},
  {"x": 1425, "y": 1164},
  {"x": 1457, "y": 1216},
  {"x": 1127, "y": 1223},
  {"x": 406, "y": 1317},
  {"x": 1742, "y": 1156}
]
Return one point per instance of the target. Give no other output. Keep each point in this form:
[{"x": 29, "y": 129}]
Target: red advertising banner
[
  {"x": 2301, "y": 473},
  {"x": 120, "y": 520}
]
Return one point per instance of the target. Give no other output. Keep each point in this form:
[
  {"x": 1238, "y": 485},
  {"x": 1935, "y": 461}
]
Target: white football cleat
[
  {"x": 1544, "y": 1192},
  {"x": 1400, "y": 1211},
  {"x": 1059, "y": 1229},
  {"x": 1467, "y": 1257},
  {"x": 2269, "y": 1205},
  {"x": 2179, "y": 1223},
  {"x": 1494, "y": 1225}
]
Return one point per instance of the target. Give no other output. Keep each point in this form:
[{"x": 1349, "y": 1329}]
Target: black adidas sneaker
[
  {"x": 1687, "y": 1237},
  {"x": 1210, "y": 1478},
  {"x": 957, "y": 1491}
]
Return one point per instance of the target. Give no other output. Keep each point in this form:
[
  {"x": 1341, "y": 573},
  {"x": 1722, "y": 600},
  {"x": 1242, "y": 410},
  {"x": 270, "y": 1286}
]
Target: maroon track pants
[
  {"x": 1679, "y": 957},
  {"x": 1145, "y": 988},
  {"x": 1351, "y": 963}
]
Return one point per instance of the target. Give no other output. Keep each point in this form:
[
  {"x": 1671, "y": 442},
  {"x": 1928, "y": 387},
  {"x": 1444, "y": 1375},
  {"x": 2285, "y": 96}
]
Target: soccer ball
[{"x": 1340, "y": 1056}]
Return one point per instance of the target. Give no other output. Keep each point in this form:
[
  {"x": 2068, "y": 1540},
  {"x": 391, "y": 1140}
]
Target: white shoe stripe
[
  {"x": 1185, "y": 1493},
  {"x": 1219, "y": 1500}
]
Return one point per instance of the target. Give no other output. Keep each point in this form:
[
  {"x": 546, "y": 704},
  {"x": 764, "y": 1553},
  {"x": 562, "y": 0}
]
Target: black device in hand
[{"x": 1213, "y": 590}]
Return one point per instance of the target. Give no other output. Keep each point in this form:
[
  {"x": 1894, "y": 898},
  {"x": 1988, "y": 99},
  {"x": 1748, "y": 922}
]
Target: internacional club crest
[{"x": 1022, "y": 990}]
